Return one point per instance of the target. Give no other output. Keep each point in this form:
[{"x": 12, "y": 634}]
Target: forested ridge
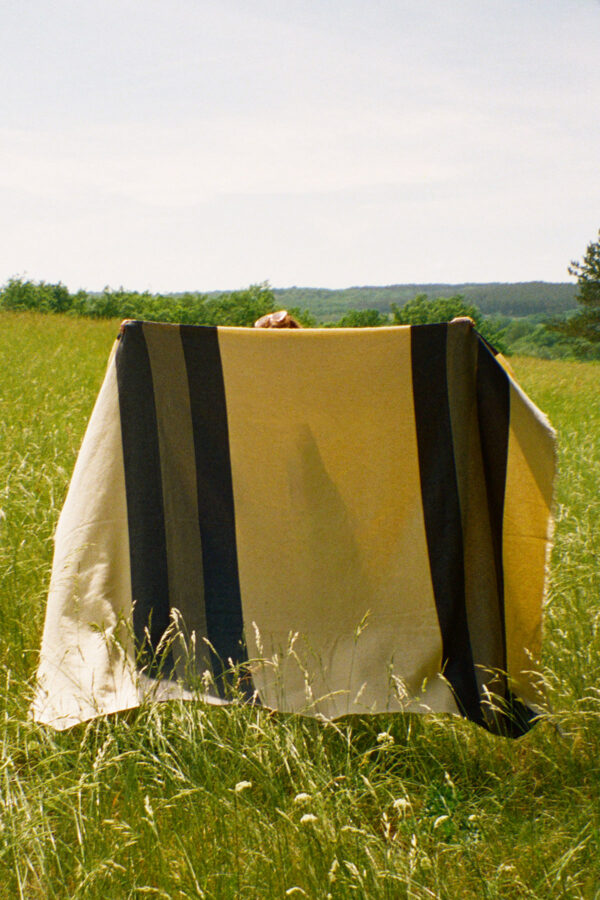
[{"x": 496, "y": 298}]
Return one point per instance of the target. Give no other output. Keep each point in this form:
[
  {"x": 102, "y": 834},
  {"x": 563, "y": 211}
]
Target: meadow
[{"x": 184, "y": 801}]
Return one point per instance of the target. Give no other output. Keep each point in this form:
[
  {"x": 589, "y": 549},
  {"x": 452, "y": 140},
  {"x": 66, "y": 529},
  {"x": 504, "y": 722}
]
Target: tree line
[
  {"x": 573, "y": 333},
  {"x": 240, "y": 308}
]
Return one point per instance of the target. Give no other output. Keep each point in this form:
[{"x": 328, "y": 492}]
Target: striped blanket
[{"x": 329, "y": 521}]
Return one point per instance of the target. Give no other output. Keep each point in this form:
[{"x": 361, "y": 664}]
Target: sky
[{"x": 172, "y": 145}]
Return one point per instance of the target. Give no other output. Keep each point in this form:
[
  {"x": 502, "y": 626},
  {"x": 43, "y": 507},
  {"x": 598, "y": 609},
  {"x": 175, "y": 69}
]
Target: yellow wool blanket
[{"x": 330, "y": 521}]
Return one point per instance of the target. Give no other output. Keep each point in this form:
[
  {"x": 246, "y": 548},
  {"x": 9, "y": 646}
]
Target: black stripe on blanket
[
  {"x": 145, "y": 507},
  {"x": 441, "y": 510},
  {"x": 509, "y": 715},
  {"x": 224, "y": 622},
  {"x": 493, "y": 408}
]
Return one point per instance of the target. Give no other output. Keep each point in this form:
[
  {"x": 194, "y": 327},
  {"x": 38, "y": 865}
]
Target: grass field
[{"x": 182, "y": 801}]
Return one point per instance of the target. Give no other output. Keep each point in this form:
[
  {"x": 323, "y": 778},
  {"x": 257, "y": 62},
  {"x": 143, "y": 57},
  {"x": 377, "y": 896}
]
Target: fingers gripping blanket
[{"x": 330, "y": 521}]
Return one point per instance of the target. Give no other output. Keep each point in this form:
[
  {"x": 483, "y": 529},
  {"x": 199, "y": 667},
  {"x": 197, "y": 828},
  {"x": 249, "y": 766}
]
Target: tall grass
[{"x": 181, "y": 801}]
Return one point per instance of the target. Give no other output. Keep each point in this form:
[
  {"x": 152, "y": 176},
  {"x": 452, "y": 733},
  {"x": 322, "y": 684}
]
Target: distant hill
[{"x": 520, "y": 299}]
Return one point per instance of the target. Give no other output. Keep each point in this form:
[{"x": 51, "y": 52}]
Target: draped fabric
[{"x": 325, "y": 521}]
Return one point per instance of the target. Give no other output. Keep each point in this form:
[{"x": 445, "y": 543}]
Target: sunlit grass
[{"x": 181, "y": 801}]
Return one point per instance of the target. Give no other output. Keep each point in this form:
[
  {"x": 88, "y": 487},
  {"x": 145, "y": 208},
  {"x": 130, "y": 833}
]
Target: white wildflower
[
  {"x": 307, "y": 818},
  {"x": 412, "y": 853},
  {"x": 333, "y": 869},
  {"x": 302, "y": 797},
  {"x": 242, "y": 785},
  {"x": 384, "y": 737},
  {"x": 401, "y": 805},
  {"x": 506, "y": 867}
]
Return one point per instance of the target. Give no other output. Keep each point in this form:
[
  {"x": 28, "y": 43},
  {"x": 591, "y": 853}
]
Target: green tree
[
  {"x": 241, "y": 308},
  {"x": 588, "y": 275},
  {"x": 363, "y": 318},
  {"x": 304, "y": 316},
  {"x": 422, "y": 311},
  {"x": 19, "y": 294},
  {"x": 586, "y": 324},
  {"x": 583, "y": 328}
]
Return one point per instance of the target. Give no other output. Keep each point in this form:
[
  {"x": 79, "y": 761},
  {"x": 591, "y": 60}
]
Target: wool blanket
[{"x": 323, "y": 521}]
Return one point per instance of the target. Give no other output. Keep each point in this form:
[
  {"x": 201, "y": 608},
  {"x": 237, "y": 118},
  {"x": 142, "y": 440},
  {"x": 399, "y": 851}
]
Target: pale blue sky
[{"x": 184, "y": 144}]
